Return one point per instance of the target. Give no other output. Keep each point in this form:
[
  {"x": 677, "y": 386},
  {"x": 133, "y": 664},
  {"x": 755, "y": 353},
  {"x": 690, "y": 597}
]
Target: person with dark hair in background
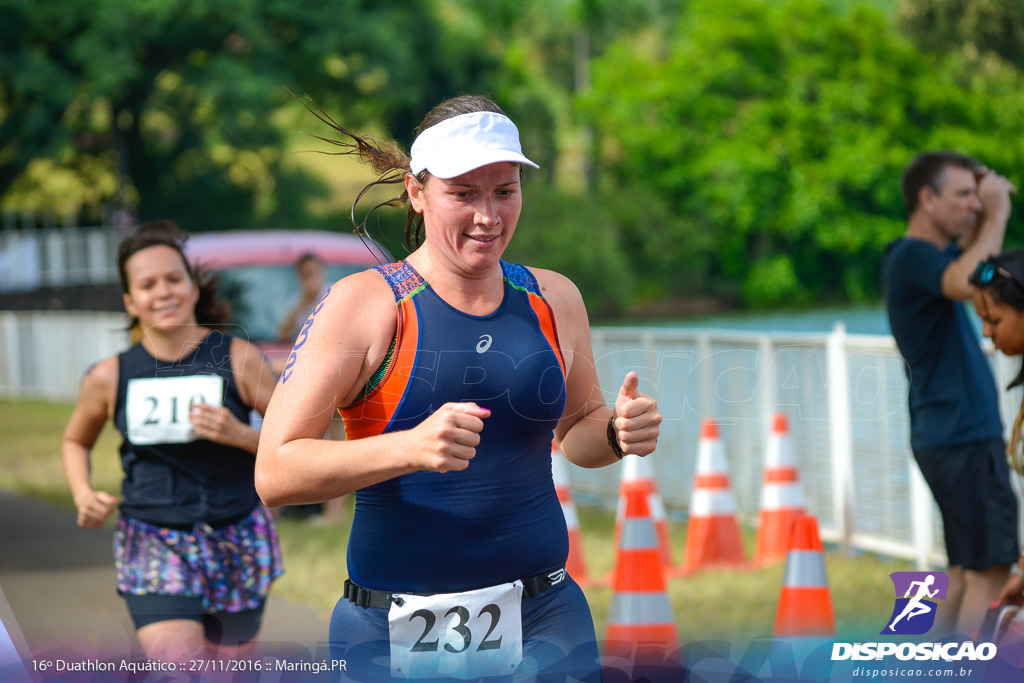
[
  {"x": 195, "y": 549},
  {"x": 460, "y": 370},
  {"x": 958, "y": 212},
  {"x": 999, "y": 300},
  {"x": 309, "y": 270}
]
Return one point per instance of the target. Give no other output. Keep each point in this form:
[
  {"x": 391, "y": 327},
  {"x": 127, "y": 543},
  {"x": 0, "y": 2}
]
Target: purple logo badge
[{"x": 916, "y": 596}]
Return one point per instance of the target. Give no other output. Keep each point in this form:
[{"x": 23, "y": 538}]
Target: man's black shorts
[{"x": 971, "y": 484}]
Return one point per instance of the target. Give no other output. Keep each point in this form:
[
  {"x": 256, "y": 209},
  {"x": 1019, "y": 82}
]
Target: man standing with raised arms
[{"x": 958, "y": 212}]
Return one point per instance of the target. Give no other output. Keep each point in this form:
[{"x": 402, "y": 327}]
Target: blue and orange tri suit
[{"x": 498, "y": 520}]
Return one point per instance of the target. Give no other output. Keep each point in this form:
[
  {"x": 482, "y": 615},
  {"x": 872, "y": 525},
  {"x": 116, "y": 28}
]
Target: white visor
[{"x": 466, "y": 142}]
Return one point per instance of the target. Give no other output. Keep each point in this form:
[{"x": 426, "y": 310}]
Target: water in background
[
  {"x": 867, "y": 319},
  {"x": 859, "y": 320}
]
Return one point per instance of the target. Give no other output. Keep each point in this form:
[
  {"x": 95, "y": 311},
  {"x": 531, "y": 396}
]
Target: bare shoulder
[
  {"x": 364, "y": 297},
  {"x": 102, "y": 375},
  {"x": 245, "y": 348},
  {"x": 246, "y": 356},
  {"x": 99, "y": 385},
  {"x": 342, "y": 341},
  {"x": 355, "y": 318},
  {"x": 563, "y": 295},
  {"x": 571, "y": 319}
]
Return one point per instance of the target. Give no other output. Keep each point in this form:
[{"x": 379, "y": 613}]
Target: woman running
[
  {"x": 195, "y": 549},
  {"x": 453, "y": 370}
]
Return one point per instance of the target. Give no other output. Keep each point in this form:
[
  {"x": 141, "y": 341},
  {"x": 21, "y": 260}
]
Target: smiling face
[
  {"x": 1001, "y": 323},
  {"x": 469, "y": 219},
  {"x": 160, "y": 290}
]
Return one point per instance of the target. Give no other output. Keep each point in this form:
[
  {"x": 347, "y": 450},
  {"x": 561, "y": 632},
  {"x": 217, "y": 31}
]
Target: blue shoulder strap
[
  {"x": 520, "y": 277},
  {"x": 401, "y": 277}
]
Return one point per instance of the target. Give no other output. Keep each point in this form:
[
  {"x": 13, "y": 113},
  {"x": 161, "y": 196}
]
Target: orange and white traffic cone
[
  {"x": 641, "y": 623},
  {"x": 805, "y": 604},
  {"x": 782, "y": 496},
  {"x": 638, "y": 474},
  {"x": 576, "y": 565},
  {"x": 713, "y": 537}
]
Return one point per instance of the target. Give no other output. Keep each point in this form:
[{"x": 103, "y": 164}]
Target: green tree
[
  {"x": 978, "y": 26},
  {"x": 762, "y": 150},
  {"x": 181, "y": 101},
  {"x": 544, "y": 49}
]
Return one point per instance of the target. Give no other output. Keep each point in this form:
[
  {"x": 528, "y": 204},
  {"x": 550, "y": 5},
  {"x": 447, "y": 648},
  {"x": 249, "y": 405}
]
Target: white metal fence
[
  {"x": 45, "y": 355},
  {"x": 39, "y": 257},
  {"x": 844, "y": 395}
]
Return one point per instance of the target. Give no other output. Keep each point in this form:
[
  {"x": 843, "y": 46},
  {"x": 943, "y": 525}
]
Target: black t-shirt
[
  {"x": 173, "y": 476},
  {"x": 952, "y": 393}
]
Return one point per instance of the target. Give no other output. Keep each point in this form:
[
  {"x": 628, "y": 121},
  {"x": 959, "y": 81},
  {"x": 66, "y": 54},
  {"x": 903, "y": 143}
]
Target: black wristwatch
[{"x": 613, "y": 440}]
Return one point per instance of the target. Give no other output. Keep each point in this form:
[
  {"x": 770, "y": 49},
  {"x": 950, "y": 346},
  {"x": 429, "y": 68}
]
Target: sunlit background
[
  {"x": 695, "y": 155},
  {"x": 730, "y": 158}
]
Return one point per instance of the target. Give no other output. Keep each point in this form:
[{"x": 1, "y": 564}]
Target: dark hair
[
  {"x": 1003, "y": 281},
  {"x": 391, "y": 164},
  {"x": 926, "y": 169},
  {"x": 211, "y": 310},
  {"x": 308, "y": 256}
]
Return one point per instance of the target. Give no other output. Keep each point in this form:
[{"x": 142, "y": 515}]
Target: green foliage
[
  {"x": 978, "y": 27},
  {"x": 178, "y": 99},
  {"x": 575, "y": 238},
  {"x": 779, "y": 131},
  {"x": 772, "y": 280},
  {"x": 708, "y": 147}
]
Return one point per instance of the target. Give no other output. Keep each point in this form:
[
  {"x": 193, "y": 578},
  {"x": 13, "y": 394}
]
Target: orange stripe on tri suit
[
  {"x": 372, "y": 414},
  {"x": 546, "y": 321}
]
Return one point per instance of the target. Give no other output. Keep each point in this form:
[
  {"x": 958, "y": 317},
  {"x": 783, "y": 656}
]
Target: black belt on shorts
[{"x": 369, "y": 597}]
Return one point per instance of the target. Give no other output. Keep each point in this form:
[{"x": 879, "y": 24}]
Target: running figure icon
[{"x": 915, "y": 606}]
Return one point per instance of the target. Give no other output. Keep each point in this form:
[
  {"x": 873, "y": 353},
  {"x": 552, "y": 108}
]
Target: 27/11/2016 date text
[
  {"x": 266, "y": 664},
  {"x": 191, "y": 666}
]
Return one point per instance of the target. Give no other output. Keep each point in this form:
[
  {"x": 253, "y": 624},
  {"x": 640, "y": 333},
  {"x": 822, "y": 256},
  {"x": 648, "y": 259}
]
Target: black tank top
[{"x": 174, "y": 477}]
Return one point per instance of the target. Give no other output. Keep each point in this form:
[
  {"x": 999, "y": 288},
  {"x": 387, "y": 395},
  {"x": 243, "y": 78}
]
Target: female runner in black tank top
[{"x": 179, "y": 397}]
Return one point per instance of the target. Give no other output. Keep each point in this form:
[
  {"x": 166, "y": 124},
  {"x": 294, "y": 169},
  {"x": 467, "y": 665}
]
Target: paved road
[{"x": 58, "y": 598}]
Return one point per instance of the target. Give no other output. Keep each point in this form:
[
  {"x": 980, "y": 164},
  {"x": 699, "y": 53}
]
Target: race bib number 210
[
  {"x": 156, "y": 408},
  {"x": 459, "y": 635}
]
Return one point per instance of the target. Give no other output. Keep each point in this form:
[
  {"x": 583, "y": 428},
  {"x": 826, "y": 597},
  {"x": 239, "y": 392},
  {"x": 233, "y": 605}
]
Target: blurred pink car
[{"x": 258, "y": 275}]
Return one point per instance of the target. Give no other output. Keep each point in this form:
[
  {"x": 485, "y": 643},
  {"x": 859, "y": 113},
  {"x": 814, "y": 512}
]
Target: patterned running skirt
[{"x": 230, "y": 567}]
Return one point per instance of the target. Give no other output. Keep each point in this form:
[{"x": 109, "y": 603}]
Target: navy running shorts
[{"x": 559, "y": 642}]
